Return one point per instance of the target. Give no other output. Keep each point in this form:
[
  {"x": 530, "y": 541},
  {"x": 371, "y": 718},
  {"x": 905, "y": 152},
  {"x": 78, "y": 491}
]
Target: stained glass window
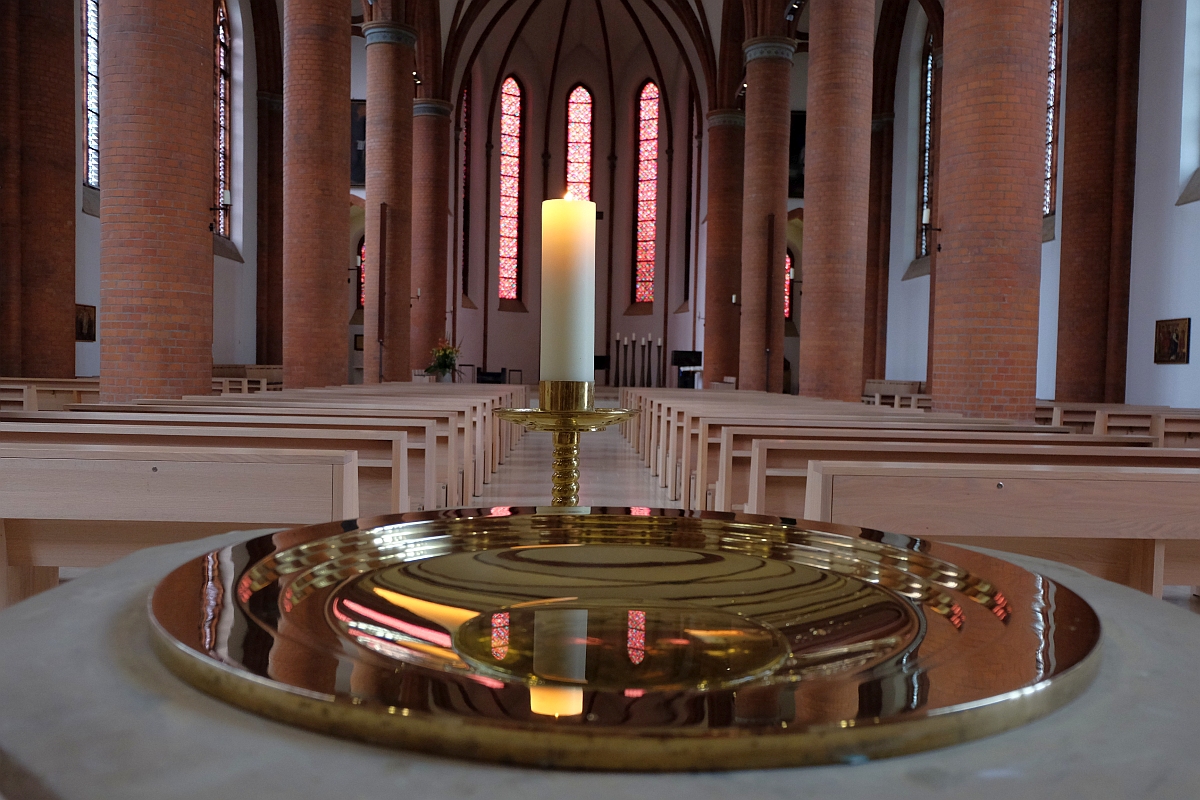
[
  {"x": 646, "y": 235},
  {"x": 465, "y": 123},
  {"x": 635, "y": 638},
  {"x": 926, "y": 147},
  {"x": 91, "y": 92},
  {"x": 787, "y": 285},
  {"x": 362, "y": 272},
  {"x": 1054, "y": 64},
  {"x": 500, "y": 636},
  {"x": 222, "y": 115},
  {"x": 510, "y": 189},
  {"x": 579, "y": 144}
]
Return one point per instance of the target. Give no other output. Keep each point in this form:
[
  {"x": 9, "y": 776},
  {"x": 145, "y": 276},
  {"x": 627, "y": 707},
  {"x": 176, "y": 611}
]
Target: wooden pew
[
  {"x": 383, "y": 480},
  {"x": 88, "y": 505},
  {"x": 741, "y": 481},
  {"x": 452, "y": 459},
  {"x": 707, "y": 450},
  {"x": 46, "y": 394},
  {"x": 430, "y": 459},
  {"x": 1134, "y": 525},
  {"x": 788, "y": 462}
]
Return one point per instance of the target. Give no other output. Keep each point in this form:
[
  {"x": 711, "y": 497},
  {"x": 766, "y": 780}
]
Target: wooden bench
[
  {"x": 787, "y": 462},
  {"x": 432, "y": 465},
  {"x": 1134, "y": 525},
  {"x": 383, "y": 480},
  {"x": 707, "y": 450},
  {"x": 739, "y": 477},
  {"x": 46, "y": 394},
  {"x": 88, "y": 505}
]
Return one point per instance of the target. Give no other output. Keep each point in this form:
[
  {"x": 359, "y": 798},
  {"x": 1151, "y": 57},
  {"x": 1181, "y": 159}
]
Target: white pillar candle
[{"x": 568, "y": 290}]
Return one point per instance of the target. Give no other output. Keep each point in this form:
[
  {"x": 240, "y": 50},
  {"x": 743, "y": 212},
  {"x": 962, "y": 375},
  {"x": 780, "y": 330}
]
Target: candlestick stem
[{"x": 564, "y": 474}]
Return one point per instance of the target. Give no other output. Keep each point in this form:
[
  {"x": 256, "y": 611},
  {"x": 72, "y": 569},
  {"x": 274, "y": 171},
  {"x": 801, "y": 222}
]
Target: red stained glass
[
  {"x": 787, "y": 285},
  {"x": 645, "y": 249},
  {"x": 510, "y": 189},
  {"x": 636, "y": 636},
  {"x": 499, "y": 636},
  {"x": 579, "y": 144},
  {"x": 362, "y": 273}
]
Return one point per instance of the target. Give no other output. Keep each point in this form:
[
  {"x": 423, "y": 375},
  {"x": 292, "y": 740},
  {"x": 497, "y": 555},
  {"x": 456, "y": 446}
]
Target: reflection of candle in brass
[
  {"x": 559, "y": 654},
  {"x": 556, "y": 701}
]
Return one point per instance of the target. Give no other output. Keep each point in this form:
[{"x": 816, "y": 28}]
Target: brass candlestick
[{"x": 567, "y": 409}]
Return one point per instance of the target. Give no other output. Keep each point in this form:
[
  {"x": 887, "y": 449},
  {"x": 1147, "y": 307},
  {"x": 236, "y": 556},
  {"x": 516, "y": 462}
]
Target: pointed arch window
[
  {"x": 1054, "y": 64},
  {"x": 788, "y": 277},
  {"x": 222, "y": 119},
  {"x": 511, "y": 139},
  {"x": 91, "y": 92},
  {"x": 927, "y": 144},
  {"x": 464, "y": 111},
  {"x": 645, "y": 252},
  {"x": 579, "y": 143},
  {"x": 362, "y": 272}
]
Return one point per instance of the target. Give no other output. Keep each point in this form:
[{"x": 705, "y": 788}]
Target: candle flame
[{"x": 569, "y": 196}]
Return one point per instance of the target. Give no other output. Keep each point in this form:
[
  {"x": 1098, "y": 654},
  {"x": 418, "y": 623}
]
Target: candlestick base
[{"x": 567, "y": 408}]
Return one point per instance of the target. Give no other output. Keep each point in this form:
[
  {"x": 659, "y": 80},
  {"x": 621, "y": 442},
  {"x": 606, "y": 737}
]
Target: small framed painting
[
  {"x": 1172, "y": 340},
  {"x": 85, "y": 323}
]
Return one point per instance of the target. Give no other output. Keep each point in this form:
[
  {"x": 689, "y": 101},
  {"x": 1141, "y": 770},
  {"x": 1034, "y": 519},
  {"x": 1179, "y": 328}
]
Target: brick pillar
[
  {"x": 156, "y": 189},
  {"x": 316, "y": 192},
  {"x": 390, "y": 58},
  {"x": 993, "y": 128},
  {"x": 837, "y": 184},
  {"x": 10, "y": 192},
  {"x": 723, "y": 270},
  {"x": 1086, "y": 202},
  {"x": 430, "y": 231},
  {"x": 764, "y": 211},
  {"x": 48, "y": 148}
]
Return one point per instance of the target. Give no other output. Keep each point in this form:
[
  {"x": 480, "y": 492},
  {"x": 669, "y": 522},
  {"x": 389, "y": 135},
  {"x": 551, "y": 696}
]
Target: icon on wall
[
  {"x": 1172, "y": 340},
  {"x": 85, "y": 323}
]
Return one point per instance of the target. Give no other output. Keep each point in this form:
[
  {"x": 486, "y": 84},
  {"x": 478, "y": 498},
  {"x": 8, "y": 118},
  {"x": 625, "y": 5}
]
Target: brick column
[
  {"x": 837, "y": 185},
  {"x": 1086, "y": 201},
  {"x": 430, "y": 232},
  {"x": 390, "y": 58},
  {"x": 48, "y": 150},
  {"x": 316, "y": 192},
  {"x": 993, "y": 127},
  {"x": 764, "y": 211},
  {"x": 10, "y": 192},
  {"x": 723, "y": 265},
  {"x": 156, "y": 173}
]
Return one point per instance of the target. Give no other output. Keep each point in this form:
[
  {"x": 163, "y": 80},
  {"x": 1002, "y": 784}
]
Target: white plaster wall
[
  {"x": 1165, "y": 272},
  {"x": 908, "y": 301},
  {"x": 87, "y": 230},
  {"x": 1047, "y": 361},
  {"x": 358, "y": 69}
]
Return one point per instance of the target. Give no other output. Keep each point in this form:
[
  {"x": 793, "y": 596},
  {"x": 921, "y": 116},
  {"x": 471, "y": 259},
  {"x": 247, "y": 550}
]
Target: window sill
[
  {"x": 1048, "y": 227},
  {"x": 684, "y": 307},
  {"x": 639, "y": 310},
  {"x": 226, "y": 249},
  {"x": 91, "y": 201},
  {"x": 1191, "y": 192},
  {"x": 468, "y": 302},
  {"x": 919, "y": 268},
  {"x": 515, "y": 306}
]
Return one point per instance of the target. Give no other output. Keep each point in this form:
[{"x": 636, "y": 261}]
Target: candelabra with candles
[{"x": 567, "y": 392}]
